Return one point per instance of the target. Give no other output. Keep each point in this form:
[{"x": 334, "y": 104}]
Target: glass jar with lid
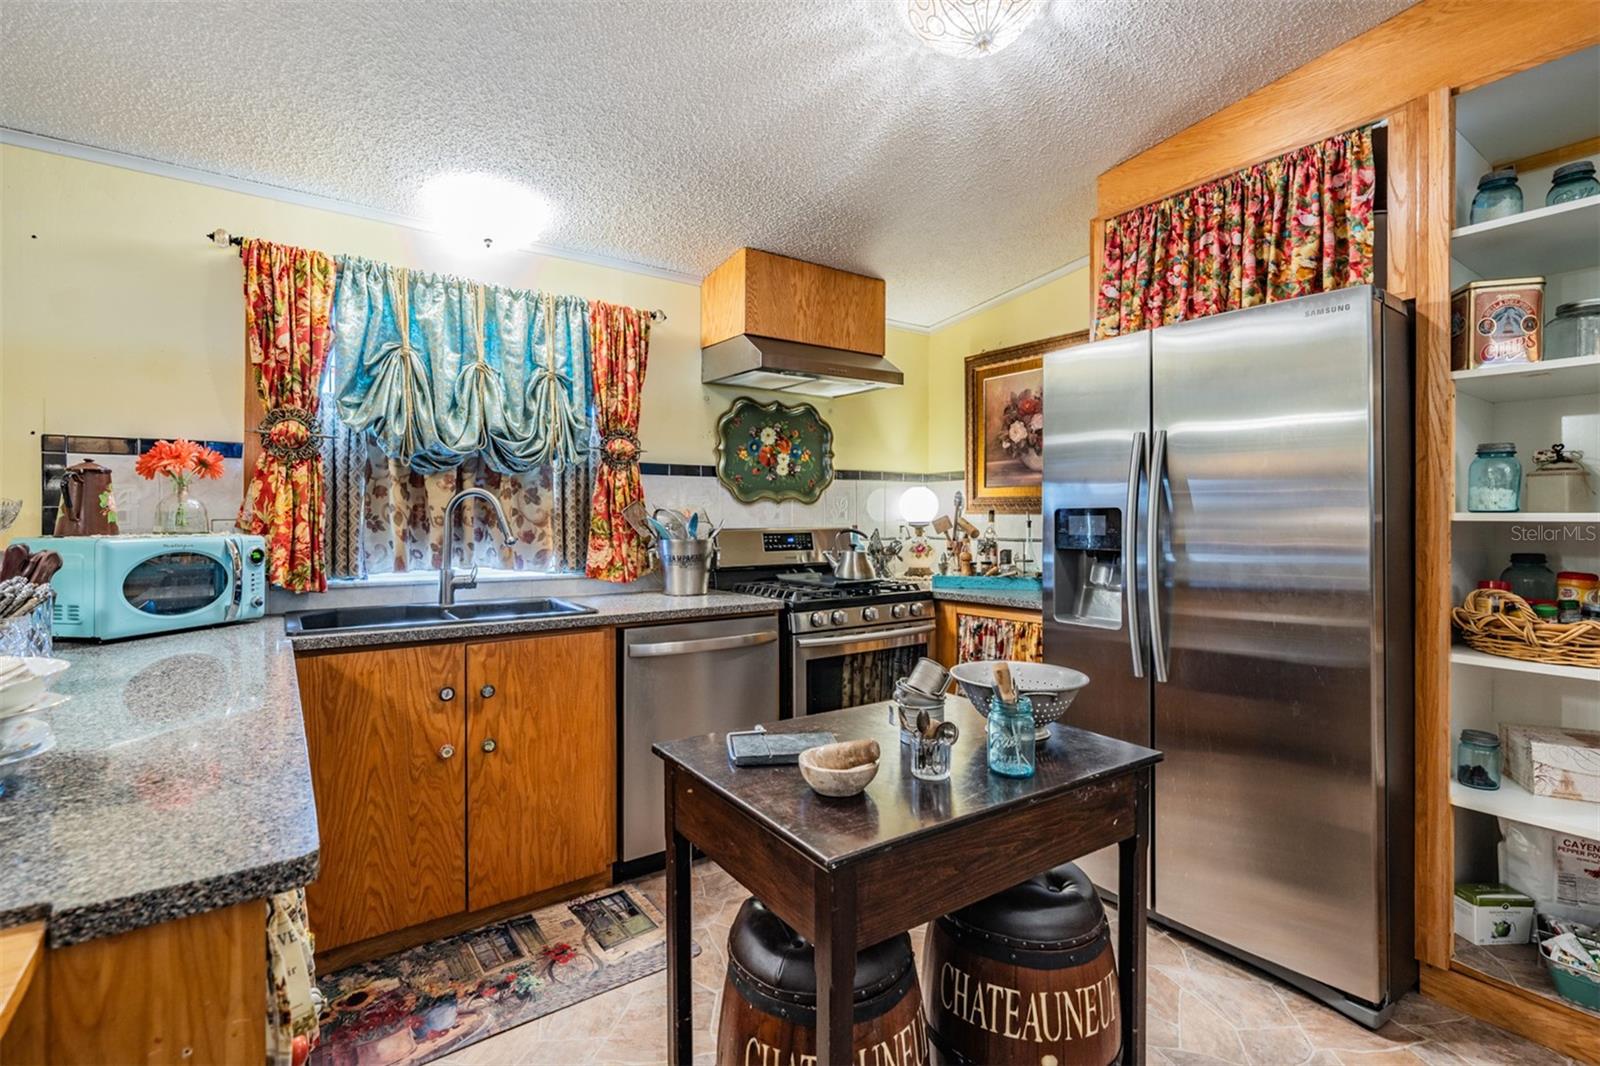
[
  {"x": 1574, "y": 331},
  {"x": 1499, "y": 196},
  {"x": 1478, "y": 759},
  {"x": 1575, "y": 181},
  {"x": 1494, "y": 481},
  {"x": 1530, "y": 577}
]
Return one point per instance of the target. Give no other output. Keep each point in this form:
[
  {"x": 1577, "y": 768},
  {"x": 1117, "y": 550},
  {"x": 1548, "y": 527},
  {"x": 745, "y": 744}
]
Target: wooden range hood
[{"x": 771, "y": 322}]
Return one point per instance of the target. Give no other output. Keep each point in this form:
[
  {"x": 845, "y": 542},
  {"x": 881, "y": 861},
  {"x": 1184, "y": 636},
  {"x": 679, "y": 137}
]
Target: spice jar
[
  {"x": 1559, "y": 482},
  {"x": 1494, "y": 481},
  {"x": 1574, "y": 331},
  {"x": 1496, "y": 602},
  {"x": 1498, "y": 195},
  {"x": 1530, "y": 578},
  {"x": 1575, "y": 181},
  {"x": 1478, "y": 759},
  {"x": 1547, "y": 610}
]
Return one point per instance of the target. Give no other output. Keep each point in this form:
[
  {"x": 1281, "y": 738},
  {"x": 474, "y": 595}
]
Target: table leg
[
  {"x": 835, "y": 945},
  {"x": 1132, "y": 890},
  {"x": 680, "y": 983}
]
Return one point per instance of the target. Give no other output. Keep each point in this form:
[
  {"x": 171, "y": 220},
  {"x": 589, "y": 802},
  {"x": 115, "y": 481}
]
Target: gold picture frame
[{"x": 1004, "y": 393}]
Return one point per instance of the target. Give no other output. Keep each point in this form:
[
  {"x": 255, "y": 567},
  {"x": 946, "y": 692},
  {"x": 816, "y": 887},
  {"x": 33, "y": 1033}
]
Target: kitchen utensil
[
  {"x": 757, "y": 747},
  {"x": 636, "y": 516},
  {"x": 924, "y": 723},
  {"x": 930, "y": 755},
  {"x": 694, "y": 524},
  {"x": 852, "y": 564},
  {"x": 1051, "y": 689},
  {"x": 83, "y": 486},
  {"x": 1012, "y": 732},
  {"x": 672, "y": 522},
  {"x": 928, "y": 677},
  {"x": 942, "y": 524},
  {"x": 42, "y": 567},
  {"x": 841, "y": 769},
  {"x": 14, "y": 561},
  {"x": 948, "y": 732}
]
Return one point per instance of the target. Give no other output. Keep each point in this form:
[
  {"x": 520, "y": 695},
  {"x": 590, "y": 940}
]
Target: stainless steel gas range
[{"x": 844, "y": 643}]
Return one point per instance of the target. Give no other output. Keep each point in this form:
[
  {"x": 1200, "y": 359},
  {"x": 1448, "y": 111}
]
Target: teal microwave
[{"x": 111, "y": 588}]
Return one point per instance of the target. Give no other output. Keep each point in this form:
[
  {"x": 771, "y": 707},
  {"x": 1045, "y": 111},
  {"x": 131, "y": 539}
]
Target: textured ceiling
[{"x": 669, "y": 133}]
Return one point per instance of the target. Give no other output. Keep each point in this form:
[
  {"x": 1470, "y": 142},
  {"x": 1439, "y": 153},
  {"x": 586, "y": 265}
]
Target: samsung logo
[{"x": 1314, "y": 311}]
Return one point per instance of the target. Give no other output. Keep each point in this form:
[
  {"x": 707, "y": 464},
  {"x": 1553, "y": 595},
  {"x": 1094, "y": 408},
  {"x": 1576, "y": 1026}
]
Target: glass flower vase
[{"x": 179, "y": 512}]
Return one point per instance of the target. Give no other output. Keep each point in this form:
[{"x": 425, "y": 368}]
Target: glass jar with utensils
[
  {"x": 930, "y": 741},
  {"x": 1011, "y": 728},
  {"x": 919, "y": 692}
]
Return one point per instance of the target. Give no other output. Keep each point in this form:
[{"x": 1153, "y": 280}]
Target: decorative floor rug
[{"x": 419, "y": 1004}]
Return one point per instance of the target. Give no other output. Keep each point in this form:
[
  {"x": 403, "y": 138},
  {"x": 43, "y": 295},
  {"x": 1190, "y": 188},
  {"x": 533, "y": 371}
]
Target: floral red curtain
[
  {"x": 287, "y": 296},
  {"x": 1297, "y": 224},
  {"x": 619, "y": 346}
]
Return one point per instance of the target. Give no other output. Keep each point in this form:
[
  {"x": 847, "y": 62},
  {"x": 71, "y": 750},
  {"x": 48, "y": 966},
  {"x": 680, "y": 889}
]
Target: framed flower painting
[
  {"x": 1005, "y": 425},
  {"x": 774, "y": 451}
]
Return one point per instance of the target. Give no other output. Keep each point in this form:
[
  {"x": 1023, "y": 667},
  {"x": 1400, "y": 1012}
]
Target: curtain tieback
[
  {"x": 619, "y": 448},
  {"x": 287, "y": 434}
]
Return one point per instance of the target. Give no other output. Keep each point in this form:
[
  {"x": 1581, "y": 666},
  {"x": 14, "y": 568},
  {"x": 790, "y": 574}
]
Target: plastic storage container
[
  {"x": 1478, "y": 759},
  {"x": 1494, "y": 481},
  {"x": 1573, "y": 331},
  {"x": 1575, "y": 181},
  {"x": 1498, "y": 196},
  {"x": 1530, "y": 578}
]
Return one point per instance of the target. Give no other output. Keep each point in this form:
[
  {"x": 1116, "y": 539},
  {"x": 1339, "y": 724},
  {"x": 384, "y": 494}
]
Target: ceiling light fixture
[
  {"x": 483, "y": 209},
  {"x": 969, "y": 28}
]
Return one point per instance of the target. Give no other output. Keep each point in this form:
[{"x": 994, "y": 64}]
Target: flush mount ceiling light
[
  {"x": 969, "y": 28},
  {"x": 483, "y": 209}
]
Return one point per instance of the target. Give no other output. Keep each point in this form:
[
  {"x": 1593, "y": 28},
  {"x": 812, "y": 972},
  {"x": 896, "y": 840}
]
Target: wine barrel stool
[
  {"x": 1025, "y": 976},
  {"x": 769, "y": 1000}
]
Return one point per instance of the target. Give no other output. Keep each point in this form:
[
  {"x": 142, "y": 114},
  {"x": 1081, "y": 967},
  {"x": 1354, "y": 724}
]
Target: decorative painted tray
[{"x": 773, "y": 451}]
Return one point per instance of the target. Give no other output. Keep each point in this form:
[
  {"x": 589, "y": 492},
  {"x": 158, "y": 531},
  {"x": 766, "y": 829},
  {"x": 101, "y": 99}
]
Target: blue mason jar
[
  {"x": 1494, "y": 481},
  {"x": 1575, "y": 181},
  {"x": 1011, "y": 742},
  {"x": 1498, "y": 196}
]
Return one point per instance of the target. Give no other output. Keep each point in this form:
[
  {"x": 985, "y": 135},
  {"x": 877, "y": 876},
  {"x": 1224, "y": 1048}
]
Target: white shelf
[
  {"x": 1531, "y": 381},
  {"x": 1559, "y": 518},
  {"x": 1511, "y": 801},
  {"x": 1545, "y": 240},
  {"x": 1468, "y": 657}
]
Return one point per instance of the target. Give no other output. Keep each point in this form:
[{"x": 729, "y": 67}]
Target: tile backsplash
[{"x": 136, "y": 497}]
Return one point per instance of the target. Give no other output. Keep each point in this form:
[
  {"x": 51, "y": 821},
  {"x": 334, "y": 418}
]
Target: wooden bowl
[{"x": 842, "y": 769}]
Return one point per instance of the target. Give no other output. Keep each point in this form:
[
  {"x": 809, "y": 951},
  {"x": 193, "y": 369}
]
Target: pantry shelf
[
  {"x": 1531, "y": 381},
  {"x": 1468, "y": 657},
  {"x": 1512, "y": 801},
  {"x": 1560, "y": 518},
  {"x": 1546, "y": 240}
]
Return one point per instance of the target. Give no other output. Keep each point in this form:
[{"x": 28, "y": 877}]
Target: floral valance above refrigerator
[{"x": 1296, "y": 224}]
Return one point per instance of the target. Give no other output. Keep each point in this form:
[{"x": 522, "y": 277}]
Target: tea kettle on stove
[
  {"x": 86, "y": 508},
  {"x": 851, "y": 564}
]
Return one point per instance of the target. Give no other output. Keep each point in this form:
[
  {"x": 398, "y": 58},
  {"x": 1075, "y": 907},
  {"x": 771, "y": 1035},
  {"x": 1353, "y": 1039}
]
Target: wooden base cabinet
[{"x": 453, "y": 777}]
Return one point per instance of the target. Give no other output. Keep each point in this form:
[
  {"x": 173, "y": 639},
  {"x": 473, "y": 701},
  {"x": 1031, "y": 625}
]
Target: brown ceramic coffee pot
[{"x": 86, "y": 501}]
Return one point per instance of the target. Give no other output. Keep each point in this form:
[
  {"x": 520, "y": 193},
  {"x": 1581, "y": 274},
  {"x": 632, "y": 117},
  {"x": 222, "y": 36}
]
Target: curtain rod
[{"x": 223, "y": 239}]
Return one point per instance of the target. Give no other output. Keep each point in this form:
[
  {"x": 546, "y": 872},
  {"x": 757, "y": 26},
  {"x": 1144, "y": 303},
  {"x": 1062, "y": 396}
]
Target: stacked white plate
[{"x": 24, "y": 691}]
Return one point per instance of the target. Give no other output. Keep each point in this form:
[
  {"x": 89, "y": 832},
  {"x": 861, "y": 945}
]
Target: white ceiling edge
[
  {"x": 144, "y": 165},
  {"x": 23, "y": 139}
]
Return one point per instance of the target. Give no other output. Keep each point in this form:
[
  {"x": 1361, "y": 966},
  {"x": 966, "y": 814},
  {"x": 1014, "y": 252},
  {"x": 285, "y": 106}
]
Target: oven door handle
[{"x": 867, "y": 636}]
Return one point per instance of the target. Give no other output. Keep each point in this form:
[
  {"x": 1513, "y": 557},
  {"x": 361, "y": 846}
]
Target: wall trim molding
[
  {"x": 194, "y": 175},
  {"x": 1010, "y": 294}
]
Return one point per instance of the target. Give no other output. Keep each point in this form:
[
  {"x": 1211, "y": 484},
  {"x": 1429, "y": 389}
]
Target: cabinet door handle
[
  {"x": 447, "y": 751},
  {"x": 447, "y": 694},
  {"x": 489, "y": 745},
  {"x": 486, "y": 691}
]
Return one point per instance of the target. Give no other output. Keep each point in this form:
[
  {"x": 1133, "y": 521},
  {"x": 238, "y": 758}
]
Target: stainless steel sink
[{"x": 420, "y": 616}]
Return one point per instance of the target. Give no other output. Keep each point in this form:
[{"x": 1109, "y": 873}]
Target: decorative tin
[
  {"x": 774, "y": 451},
  {"x": 1496, "y": 322}
]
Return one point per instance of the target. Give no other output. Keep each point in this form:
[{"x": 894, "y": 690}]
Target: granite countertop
[
  {"x": 1021, "y": 599},
  {"x": 179, "y": 784},
  {"x": 611, "y": 609}
]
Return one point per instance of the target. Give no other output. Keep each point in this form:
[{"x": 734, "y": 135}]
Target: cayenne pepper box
[{"x": 1496, "y": 322}]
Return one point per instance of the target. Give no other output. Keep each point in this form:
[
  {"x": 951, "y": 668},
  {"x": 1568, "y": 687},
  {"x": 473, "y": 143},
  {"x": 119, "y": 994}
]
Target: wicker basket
[{"x": 1517, "y": 632}]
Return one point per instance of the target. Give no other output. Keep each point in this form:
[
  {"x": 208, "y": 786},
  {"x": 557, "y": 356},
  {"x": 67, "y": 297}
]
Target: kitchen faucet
[{"x": 449, "y": 580}]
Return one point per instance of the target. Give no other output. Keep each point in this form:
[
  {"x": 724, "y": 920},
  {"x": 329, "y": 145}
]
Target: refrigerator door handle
[
  {"x": 1152, "y": 549},
  {"x": 1130, "y": 551}
]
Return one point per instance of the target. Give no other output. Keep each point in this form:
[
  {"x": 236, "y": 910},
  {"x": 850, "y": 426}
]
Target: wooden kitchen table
[{"x": 847, "y": 873}]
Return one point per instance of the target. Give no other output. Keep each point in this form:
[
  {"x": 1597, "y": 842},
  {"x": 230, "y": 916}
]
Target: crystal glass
[
  {"x": 1575, "y": 181},
  {"x": 1494, "y": 481},
  {"x": 930, "y": 758},
  {"x": 179, "y": 512},
  {"x": 1011, "y": 742},
  {"x": 1498, "y": 196}
]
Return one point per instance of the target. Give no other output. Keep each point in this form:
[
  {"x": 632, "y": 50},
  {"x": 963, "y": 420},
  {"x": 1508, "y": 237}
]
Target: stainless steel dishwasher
[{"x": 681, "y": 680}]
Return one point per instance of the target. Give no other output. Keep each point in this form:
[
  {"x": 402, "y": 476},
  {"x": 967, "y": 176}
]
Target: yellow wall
[
  {"x": 117, "y": 319},
  {"x": 1059, "y": 306}
]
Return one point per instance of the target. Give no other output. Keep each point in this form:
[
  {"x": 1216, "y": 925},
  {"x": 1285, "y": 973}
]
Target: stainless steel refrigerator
[{"x": 1228, "y": 557}]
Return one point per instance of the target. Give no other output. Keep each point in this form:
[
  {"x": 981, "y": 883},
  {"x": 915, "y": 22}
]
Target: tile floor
[{"x": 1203, "y": 1009}]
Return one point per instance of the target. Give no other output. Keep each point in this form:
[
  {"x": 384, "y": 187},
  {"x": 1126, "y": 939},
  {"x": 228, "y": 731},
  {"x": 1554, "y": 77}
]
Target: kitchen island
[{"x": 847, "y": 873}]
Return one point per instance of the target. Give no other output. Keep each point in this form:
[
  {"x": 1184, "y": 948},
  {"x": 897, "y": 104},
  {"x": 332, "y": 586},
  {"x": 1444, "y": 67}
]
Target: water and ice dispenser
[{"x": 1089, "y": 567}]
